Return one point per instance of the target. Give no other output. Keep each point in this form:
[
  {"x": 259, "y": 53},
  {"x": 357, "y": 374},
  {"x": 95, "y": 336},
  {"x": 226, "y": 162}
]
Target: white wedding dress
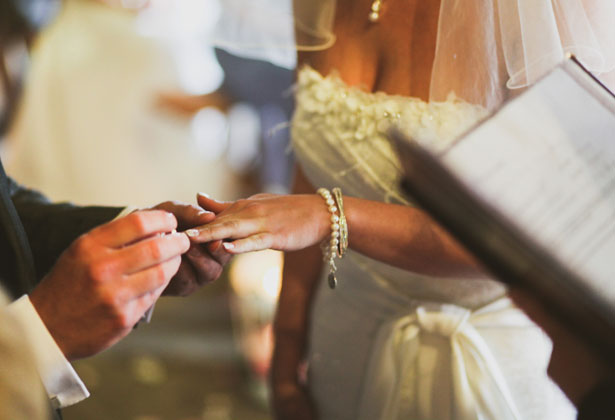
[{"x": 390, "y": 344}]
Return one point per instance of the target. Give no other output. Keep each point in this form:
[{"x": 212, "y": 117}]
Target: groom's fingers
[
  {"x": 207, "y": 267},
  {"x": 218, "y": 252},
  {"x": 187, "y": 215},
  {"x": 150, "y": 252},
  {"x": 184, "y": 282},
  {"x": 210, "y": 204},
  {"x": 153, "y": 278},
  {"x": 133, "y": 227}
]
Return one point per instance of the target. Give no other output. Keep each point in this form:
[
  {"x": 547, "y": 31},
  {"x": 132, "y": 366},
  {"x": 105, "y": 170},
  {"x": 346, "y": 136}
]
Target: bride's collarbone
[
  {"x": 371, "y": 70},
  {"x": 375, "y": 64},
  {"x": 394, "y": 56}
]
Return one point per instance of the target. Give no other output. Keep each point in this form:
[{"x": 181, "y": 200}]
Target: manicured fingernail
[
  {"x": 228, "y": 245},
  {"x": 193, "y": 233},
  {"x": 204, "y": 195}
]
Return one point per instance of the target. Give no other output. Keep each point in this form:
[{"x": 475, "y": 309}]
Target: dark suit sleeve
[
  {"x": 51, "y": 227},
  {"x": 599, "y": 404}
]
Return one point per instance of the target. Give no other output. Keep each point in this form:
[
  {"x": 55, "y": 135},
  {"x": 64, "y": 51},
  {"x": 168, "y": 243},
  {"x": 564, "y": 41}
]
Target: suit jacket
[
  {"x": 599, "y": 404},
  {"x": 34, "y": 232}
]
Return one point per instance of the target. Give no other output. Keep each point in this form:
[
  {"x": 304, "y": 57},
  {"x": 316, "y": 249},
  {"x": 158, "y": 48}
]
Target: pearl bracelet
[
  {"x": 331, "y": 248},
  {"x": 343, "y": 237}
]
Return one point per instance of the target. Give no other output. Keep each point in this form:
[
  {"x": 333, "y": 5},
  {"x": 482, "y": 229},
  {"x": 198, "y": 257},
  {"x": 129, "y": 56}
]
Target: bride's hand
[{"x": 264, "y": 221}]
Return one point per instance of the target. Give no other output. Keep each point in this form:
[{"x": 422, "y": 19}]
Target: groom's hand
[
  {"x": 203, "y": 263},
  {"x": 106, "y": 279}
]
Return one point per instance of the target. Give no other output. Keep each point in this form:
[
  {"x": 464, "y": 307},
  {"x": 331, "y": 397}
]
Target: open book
[{"x": 531, "y": 192}]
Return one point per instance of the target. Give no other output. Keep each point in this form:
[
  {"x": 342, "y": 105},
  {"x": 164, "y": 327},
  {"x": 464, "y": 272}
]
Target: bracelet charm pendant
[{"x": 337, "y": 244}]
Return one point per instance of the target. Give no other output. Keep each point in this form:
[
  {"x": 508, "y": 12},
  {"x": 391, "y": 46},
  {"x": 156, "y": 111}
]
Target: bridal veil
[{"x": 484, "y": 47}]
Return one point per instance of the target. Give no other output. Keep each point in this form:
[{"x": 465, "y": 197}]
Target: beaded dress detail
[{"x": 388, "y": 343}]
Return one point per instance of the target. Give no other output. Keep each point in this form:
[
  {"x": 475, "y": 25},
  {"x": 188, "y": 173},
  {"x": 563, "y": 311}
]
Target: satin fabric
[{"x": 479, "y": 389}]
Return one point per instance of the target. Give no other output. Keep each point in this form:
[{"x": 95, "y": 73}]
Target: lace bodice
[
  {"x": 339, "y": 139},
  {"x": 340, "y": 133}
]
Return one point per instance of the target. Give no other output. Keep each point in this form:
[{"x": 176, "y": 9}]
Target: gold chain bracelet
[{"x": 343, "y": 236}]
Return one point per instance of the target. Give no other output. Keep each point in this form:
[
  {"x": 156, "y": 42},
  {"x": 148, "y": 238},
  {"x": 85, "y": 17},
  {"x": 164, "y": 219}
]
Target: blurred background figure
[
  {"x": 19, "y": 22},
  {"x": 95, "y": 104},
  {"x": 257, "y": 97},
  {"x": 88, "y": 129}
]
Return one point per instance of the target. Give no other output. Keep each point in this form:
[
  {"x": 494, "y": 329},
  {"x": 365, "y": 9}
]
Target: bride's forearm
[
  {"x": 399, "y": 235},
  {"x": 301, "y": 272},
  {"x": 300, "y": 278},
  {"x": 402, "y": 236},
  {"x": 406, "y": 237}
]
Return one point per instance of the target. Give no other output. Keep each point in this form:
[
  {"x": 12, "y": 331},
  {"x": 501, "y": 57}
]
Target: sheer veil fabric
[
  {"x": 273, "y": 30},
  {"x": 484, "y": 48}
]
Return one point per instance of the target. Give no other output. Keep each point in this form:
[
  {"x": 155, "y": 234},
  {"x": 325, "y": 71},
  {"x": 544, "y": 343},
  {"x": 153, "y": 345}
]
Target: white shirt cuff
[{"x": 63, "y": 385}]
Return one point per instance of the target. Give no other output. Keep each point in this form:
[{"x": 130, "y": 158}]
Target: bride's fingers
[
  {"x": 210, "y": 204},
  {"x": 257, "y": 242},
  {"x": 224, "y": 229},
  {"x": 187, "y": 215}
]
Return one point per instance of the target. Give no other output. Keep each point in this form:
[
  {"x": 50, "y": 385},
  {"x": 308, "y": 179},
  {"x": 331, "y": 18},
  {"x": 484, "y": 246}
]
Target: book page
[{"x": 546, "y": 161}]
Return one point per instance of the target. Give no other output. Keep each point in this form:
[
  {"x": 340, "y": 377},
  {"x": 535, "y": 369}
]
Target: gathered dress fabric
[{"x": 392, "y": 344}]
